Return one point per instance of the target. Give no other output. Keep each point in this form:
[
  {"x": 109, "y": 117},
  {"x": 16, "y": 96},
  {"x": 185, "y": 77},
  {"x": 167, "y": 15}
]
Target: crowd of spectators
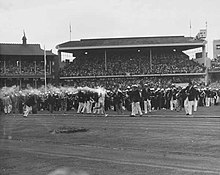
[
  {"x": 115, "y": 63},
  {"x": 131, "y": 64},
  {"x": 215, "y": 85},
  {"x": 110, "y": 83},
  {"x": 13, "y": 67},
  {"x": 215, "y": 65},
  {"x": 175, "y": 62}
]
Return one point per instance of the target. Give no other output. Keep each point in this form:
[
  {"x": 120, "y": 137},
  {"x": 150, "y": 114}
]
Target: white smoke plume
[{"x": 14, "y": 90}]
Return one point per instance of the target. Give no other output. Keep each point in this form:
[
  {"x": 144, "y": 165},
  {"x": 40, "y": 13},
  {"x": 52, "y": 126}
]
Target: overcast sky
[{"x": 47, "y": 21}]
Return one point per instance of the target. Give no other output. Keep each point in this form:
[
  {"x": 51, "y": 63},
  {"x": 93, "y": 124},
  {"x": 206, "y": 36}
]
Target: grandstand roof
[
  {"x": 133, "y": 42},
  {"x": 22, "y": 49}
]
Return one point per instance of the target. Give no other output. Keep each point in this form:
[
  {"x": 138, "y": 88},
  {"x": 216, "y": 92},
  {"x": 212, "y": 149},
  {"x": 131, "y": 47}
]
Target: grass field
[{"x": 164, "y": 142}]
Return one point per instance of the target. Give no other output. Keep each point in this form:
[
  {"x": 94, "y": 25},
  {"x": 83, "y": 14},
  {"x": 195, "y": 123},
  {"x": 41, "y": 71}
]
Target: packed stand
[
  {"x": 215, "y": 65},
  {"x": 175, "y": 62},
  {"x": 131, "y": 64},
  {"x": 13, "y": 67}
]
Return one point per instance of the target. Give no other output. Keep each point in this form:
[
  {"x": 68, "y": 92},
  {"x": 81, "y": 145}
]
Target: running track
[{"x": 113, "y": 145}]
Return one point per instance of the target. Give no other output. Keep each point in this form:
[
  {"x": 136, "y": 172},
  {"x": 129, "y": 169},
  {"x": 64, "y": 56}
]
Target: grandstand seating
[
  {"x": 13, "y": 67},
  {"x": 163, "y": 62}
]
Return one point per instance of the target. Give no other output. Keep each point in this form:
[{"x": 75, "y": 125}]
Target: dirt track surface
[{"x": 174, "y": 144}]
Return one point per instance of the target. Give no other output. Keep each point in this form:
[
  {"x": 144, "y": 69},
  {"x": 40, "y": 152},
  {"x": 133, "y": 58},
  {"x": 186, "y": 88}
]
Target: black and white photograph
[{"x": 109, "y": 87}]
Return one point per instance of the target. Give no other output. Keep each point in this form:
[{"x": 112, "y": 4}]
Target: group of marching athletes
[{"x": 137, "y": 99}]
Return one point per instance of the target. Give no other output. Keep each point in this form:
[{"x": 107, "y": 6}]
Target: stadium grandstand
[
  {"x": 143, "y": 59},
  {"x": 23, "y": 64},
  {"x": 214, "y": 71}
]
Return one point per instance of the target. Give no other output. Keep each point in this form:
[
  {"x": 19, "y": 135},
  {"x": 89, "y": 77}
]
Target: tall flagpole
[
  {"x": 190, "y": 28},
  {"x": 150, "y": 60},
  {"x": 70, "y": 31},
  {"x": 206, "y": 27},
  {"x": 45, "y": 69}
]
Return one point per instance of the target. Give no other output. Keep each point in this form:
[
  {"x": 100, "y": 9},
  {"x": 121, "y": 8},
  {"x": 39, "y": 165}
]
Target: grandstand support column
[
  {"x": 58, "y": 63},
  {"x": 20, "y": 66},
  {"x": 59, "y": 58},
  {"x": 105, "y": 61},
  {"x": 35, "y": 67},
  {"x": 4, "y": 66},
  {"x": 150, "y": 60},
  {"x": 205, "y": 64},
  {"x": 206, "y": 77},
  {"x": 204, "y": 55},
  {"x": 50, "y": 66}
]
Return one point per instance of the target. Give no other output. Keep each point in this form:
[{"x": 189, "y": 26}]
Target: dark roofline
[
  {"x": 90, "y": 39},
  {"x": 194, "y": 45},
  {"x": 17, "y": 49},
  {"x": 16, "y": 44},
  {"x": 131, "y": 42}
]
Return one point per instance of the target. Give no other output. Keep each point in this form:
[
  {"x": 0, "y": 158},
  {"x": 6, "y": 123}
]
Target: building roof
[
  {"x": 22, "y": 49},
  {"x": 133, "y": 42}
]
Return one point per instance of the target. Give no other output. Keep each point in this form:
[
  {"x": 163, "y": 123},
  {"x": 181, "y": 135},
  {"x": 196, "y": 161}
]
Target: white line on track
[{"x": 178, "y": 168}]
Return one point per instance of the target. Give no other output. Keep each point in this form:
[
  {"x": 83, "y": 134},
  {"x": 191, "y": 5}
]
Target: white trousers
[
  {"x": 99, "y": 107},
  {"x": 147, "y": 106},
  {"x": 212, "y": 100},
  {"x": 173, "y": 104},
  {"x": 191, "y": 103},
  {"x": 80, "y": 107},
  {"x": 87, "y": 108},
  {"x": 195, "y": 105},
  {"x": 7, "y": 109},
  {"x": 136, "y": 108},
  {"x": 207, "y": 101},
  {"x": 188, "y": 105},
  {"x": 217, "y": 99}
]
